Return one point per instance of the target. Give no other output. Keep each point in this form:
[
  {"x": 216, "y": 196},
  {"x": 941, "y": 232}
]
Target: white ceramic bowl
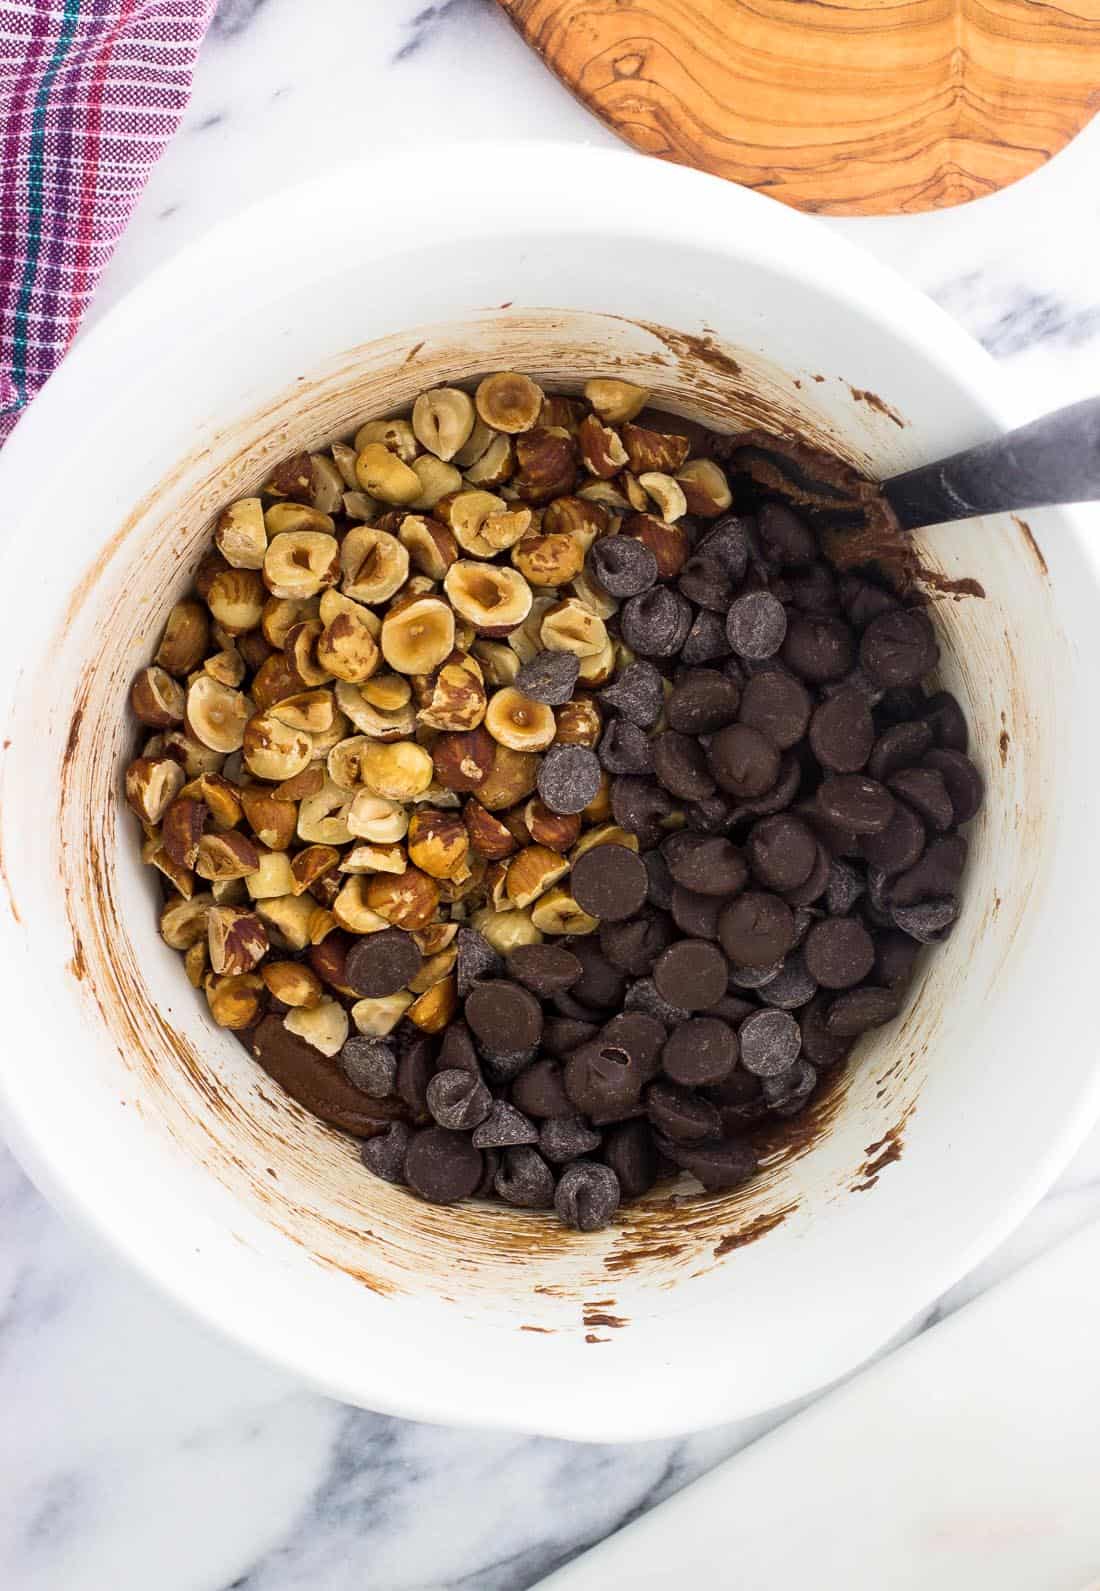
[{"x": 281, "y": 329}]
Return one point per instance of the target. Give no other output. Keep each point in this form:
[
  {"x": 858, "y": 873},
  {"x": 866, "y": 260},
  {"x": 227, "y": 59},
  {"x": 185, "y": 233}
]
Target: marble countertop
[{"x": 138, "y": 1450}]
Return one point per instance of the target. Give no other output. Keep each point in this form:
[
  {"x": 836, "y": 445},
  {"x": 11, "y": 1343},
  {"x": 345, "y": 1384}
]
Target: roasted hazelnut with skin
[
  {"x": 668, "y": 543},
  {"x": 289, "y": 918},
  {"x": 236, "y": 599},
  {"x": 399, "y": 770},
  {"x": 296, "y": 519},
  {"x": 549, "y": 560},
  {"x": 281, "y": 615},
  {"x": 462, "y": 760},
  {"x": 577, "y": 517},
  {"x": 499, "y": 662},
  {"x": 558, "y": 831},
  {"x": 293, "y": 983},
  {"x": 705, "y": 488},
  {"x": 301, "y": 651},
  {"x": 495, "y": 466},
  {"x": 241, "y": 535},
  {"x": 430, "y": 544},
  {"x": 325, "y": 1026},
  {"x": 547, "y": 465},
  {"x": 406, "y": 900},
  {"x": 382, "y": 474},
  {"x": 466, "y": 515},
  {"x": 569, "y": 626},
  {"x": 601, "y": 448},
  {"x": 518, "y": 722},
  {"x": 442, "y": 420},
  {"x": 506, "y": 930},
  {"x": 396, "y": 435},
  {"x": 226, "y": 855},
  {"x": 615, "y": 401},
  {"x": 183, "y": 922},
  {"x": 579, "y": 723},
  {"x": 654, "y": 450},
  {"x": 666, "y": 492},
  {"x": 375, "y": 564},
  {"x": 374, "y": 818},
  {"x": 438, "y": 842},
  {"x": 417, "y": 636},
  {"x": 374, "y": 859},
  {"x": 227, "y": 667},
  {"x": 273, "y": 822},
  {"x": 488, "y": 835},
  {"x": 456, "y": 699},
  {"x": 600, "y": 666},
  {"x": 235, "y": 1002},
  {"x": 221, "y": 797},
  {"x": 493, "y": 599},
  {"x": 274, "y": 751},
  {"x": 217, "y": 715},
  {"x": 182, "y": 829},
  {"x": 347, "y": 650},
  {"x": 313, "y": 711},
  {"x": 510, "y": 779},
  {"x": 153, "y": 854},
  {"x": 350, "y": 908},
  {"x": 191, "y": 754},
  {"x": 435, "y": 1009},
  {"x": 557, "y": 912},
  {"x": 185, "y": 640},
  {"x": 292, "y": 477},
  {"x": 509, "y": 402},
  {"x": 157, "y": 699},
  {"x": 375, "y": 1018},
  {"x": 275, "y": 678},
  {"x": 530, "y": 874},
  {"x": 152, "y": 784},
  {"x": 236, "y": 938},
  {"x": 311, "y": 864}
]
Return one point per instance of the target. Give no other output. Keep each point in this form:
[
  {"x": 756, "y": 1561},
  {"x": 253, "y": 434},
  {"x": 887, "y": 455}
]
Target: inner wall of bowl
[{"x": 301, "y": 1180}]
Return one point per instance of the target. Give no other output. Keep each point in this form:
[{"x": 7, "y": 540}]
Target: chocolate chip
[
  {"x": 681, "y": 766},
  {"x": 702, "y": 701},
  {"x": 415, "y": 1065},
  {"x": 724, "y": 1163},
  {"x": 899, "y": 703},
  {"x": 640, "y": 1035},
  {"x": 930, "y": 921},
  {"x": 964, "y": 783},
  {"x": 823, "y": 1048},
  {"x": 603, "y": 1080},
  {"x": 656, "y": 623},
  {"x": 504, "y": 1127},
  {"x": 549, "y": 677},
  {"x": 632, "y": 1155},
  {"x": 643, "y": 995},
  {"x": 563, "y": 1138},
  {"x": 842, "y": 732},
  {"x": 609, "y": 882},
  {"x": 818, "y": 648},
  {"x": 846, "y": 884},
  {"x": 680, "y": 1113},
  {"x": 770, "y": 1042},
  {"x": 601, "y": 985},
  {"x": 839, "y": 952},
  {"x": 504, "y": 1016},
  {"x": 937, "y": 873},
  {"x": 900, "y": 746},
  {"x": 568, "y": 778},
  {"x": 696, "y": 915},
  {"x": 781, "y": 851},
  {"x": 691, "y": 973},
  {"x": 700, "y": 1051},
  {"x": 457, "y": 1049},
  {"x": 836, "y": 839},
  {"x": 540, "y": 1092},
  {"x": 587, "y": 1195},
  {"x": 476, "y": 960},
  {"x": 756, "y": 625},
  {"x": 458, "y": 1100},
  {"x": 743, "y": 761},
  {"x": 639, "y": 806},
  {"x": 624, "y": 566},
  {"x": 895, "y": 959},
  {"x": 382, "y": 963},
  {"x": 925, "y": 791},
  {"x": 709, "y": 865},
  {"x": 944, "y": 717},
  {"x": 899, "y": 845},
  {"x": 385, "y": 1153},
  {"x": 659, "y": 887},
  {"x": 503, "y": 1066},
  {"x": 785, "y": 538},
  {"x": 754, "y": 977},
  {"x": 704, "y": 582},
  {"x": 624, "y": 748},
  {"x": 524, "y": 1179},
  {"x": 791, "y": 987},
  {"x": 899, "y": 648},
  {"x": 778, "y": 705},
  {"x": 490, "y": 1165},
  {"x": 781, "y": 794},
  {"x": 706, "y": 641},
  {"x": 726, "y": 543},
  {"x": 635, "y": 944},
  {"x": 790, "y": 1092},
  {"x": 713, "y": 815},
  {"x": 863, "y": 601},
  {"x": 369, "y": 1064},
  {"x": 855, "y": 803},
  {"x": 562, "y": 1034},
  {"x": 442, "y": 1166},
  {"x": 756, "y": 929},
  {"x": 860, "y": 1010},
  {"x": 814, "y": 886},
  {"x": 636, "y": 692},
  {"x": 544, "y": 969}
]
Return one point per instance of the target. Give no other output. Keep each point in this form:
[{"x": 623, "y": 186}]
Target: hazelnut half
[
  {"x": 654, "y": 450},
  {"x": 347, "y": 649},
  {"x": 185, "y": 640},
  {"x": 433, "y": 1010},
  {"x": 615, "y": 401},
  {"x": 668, "y": 543},
  {"x": 382, "y": 474},
  {"x": 488, "y": 835},
  {"x": 324, "y": 1025},
  {"x": 217, "y": 715},
  {"x": 518, "y": 722},
  {"x": 374, "y": 818},
  {"x": 506, "y": 930},
  {"x": 312, "y": 711},
  {"x": 376, "y": 1018},
  {"x": 235, "y": 1002},
  {"x": 293, "y": 983},
  {"x": 272, "y": 821},
  {"x": 494, "y": 600},
  {"x": 436, "y": 480},
  {"x": 547, "y": 460},
  {"x": 152, "y": 784},
  {"x": 495, "y": 465},
  {"x": 556, "y": 830},
  {"x": 375, "y": 564},
  {"x": 241, "y": 535},
  {"x": 457, "y": 696},
  {"x": 226, "y": 855},
  {"x": 236, "y": 938},
  {"x": 557, "y": 912},
  {"x": 579, "y": 721},
  {"x": 442, "y": 420},
  {"x": 183, "y": 922},
  {"x": 431, "y": 545},
  {"x": 549, "y": 560},
  {"x": 157, "y": 699},
  {"x": 438, "y": 842},
  {"x": 400, "y": 771},
  {"x": 666, "y": 492},
  {"x": 510, "y": 779},
  {"x": 530, "y": 874},
  {"x": 396, "y": 435},
  {"x": 361, "y": 704},
  {"x": 417, "y": 636},
  {"x": 322, "y": 818},
  {"x": 509, "y": 402},
  {"x": 273, "y": 750},
  {"x": 569, "y": 626},
  {"x": 300, "y": 564},
  {"x": 462, "y": 760},
  {"x": 601, "y": 448},
  {"x": 706, "y": 489},
  {"x": 405, "y": 900}
]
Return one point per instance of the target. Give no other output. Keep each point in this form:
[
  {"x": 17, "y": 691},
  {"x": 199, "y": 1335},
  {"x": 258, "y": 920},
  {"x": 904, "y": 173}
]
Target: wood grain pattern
[{"x": 844, "y": 107}]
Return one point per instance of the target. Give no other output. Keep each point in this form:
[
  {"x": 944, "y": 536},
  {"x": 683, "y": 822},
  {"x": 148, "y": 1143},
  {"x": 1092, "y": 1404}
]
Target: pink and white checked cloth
[{"x": 90, "y": 93}]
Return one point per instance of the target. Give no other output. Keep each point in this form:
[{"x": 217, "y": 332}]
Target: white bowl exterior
[{"x": 985, "y": 1085}]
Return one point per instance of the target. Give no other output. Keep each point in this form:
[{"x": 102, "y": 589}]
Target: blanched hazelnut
[
  {"x": 668, "y": 543},
  {"x": 430, "y": 544},
  {"x": 360, "y": 703},
  {"x": 462, "y": 760},
  {"x": 388, "y": 692},
  {"x": 274, "y": 679},
  {"x": 496, "y": 464},
  {"x": 300, "y": 564},
  {"x": 518, "y": 722},
  {"x": 405, "y": 900},
  {"x": 601, "y": 448},
  {"x": 556, "y": 830},
  {"x": 399, "y": 770},
  {"x": 666, "y": 492},
  {"x": 417, "y": 636},
  {"x": 272, "y": 821},
  {"x": 157, "y": 699},
  {"x": 296, "y": 519},
  {"x": 579, "y": 721},
  {"x": 438, "y": 842},
  {"x": 488, "y": 835},
  {"x": 224, "y": 855},
  {"x": 325, "y": 1026},
  {"x": 509, "y": 402},
  {"x": 475, "y": 444},
  {"x": 191, "y": 754},
  {"x": 322, "y": 819},
  {"x": 442, "y": 420},
  {"x": 182, "y": 829},
  {"x": 547, "y": 464},
  {"x": 235, "y": 1002},
  {"x": 183, "y": 922},
  {"x": 347, "y": 649},
  {"x": 375, "y": 1018},
  {"x": 328, "y": 484},
  {"x": 310, "y": 865},
  {"x": 152, "y": 784},
  {"x": 615, "y": 401},
  {"x": 374, "y": 818},
  {"x": 494, "y": 600},
  {"x": 293, "y": 983},
  {"x": 635, "y": 493},
  {"x": 436, "y": 480},
  {"x": 185, "y": 640},
  {"x": 606, "y": 494},
  {"x": 510, "y": 779},
  {"x": 282, "y": 614},
  {"x": 593, "y": 595},
  {"x": 273, "y": 750},
  {"x": 599, "y": 668},
  {"x": 312, "y": 711},
  {"x": 705, "y": 488},
  {"x": 549, "y": 560},
  {"x": 456, "y": 700},
  {"x": 506, "y": 930},
  {"x": 435, "y": 1009},
  {"x": 558, "y": 913},
  {"x": 382, "y": 474},
  {"x": 350, "y": 908},
  {"x": 368, "y": 858},
  {"x": 272, "y": 876},
  {"x": 301, "y": 650},
  {"x": 375, "y": 564},
  {"x": 654, "y": 450},
  {"x": 532, "y": 873},
  {"x": 288, "y": 917},
  {"x": 569, "y": 626},
  {"x": 236, "y": 938},
  {"x": 241, "y": 535},
  {"x": 396, "y": 435},
  {"x": 217, "y": 715},
  {"x": 499, "y": 662}
]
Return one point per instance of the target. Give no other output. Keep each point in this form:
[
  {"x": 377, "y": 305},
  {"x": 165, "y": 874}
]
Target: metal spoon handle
[{"x": 1053, "y": 460}]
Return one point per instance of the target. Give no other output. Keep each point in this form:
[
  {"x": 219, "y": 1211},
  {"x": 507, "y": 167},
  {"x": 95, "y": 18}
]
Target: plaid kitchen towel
[{"x": 90, "y": 93}]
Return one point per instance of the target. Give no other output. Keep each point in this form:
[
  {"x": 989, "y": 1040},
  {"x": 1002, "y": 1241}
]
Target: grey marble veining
[{"x": 137, "y": 1449}]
